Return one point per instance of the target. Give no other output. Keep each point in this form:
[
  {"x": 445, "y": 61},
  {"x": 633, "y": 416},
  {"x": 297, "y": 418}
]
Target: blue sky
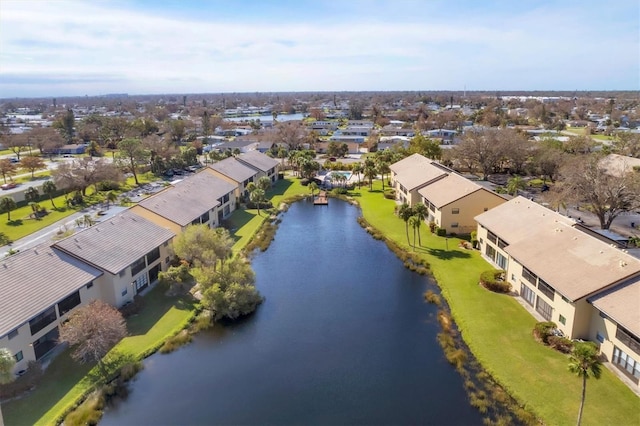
[{"x": 70, "y": 48}]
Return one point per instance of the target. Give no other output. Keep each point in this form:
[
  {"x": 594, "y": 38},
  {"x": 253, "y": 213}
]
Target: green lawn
[
  {"x": 496, "y": 328},
  {"x": 22, "y": 225},
  {"x": 498, "y": 331}
]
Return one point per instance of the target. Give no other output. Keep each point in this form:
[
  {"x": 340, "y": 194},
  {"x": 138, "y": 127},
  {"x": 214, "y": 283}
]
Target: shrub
[
  {"x": 432, "y": 297},
  {"x": 339, "y": 191},
  {"x": 543, "y": 330},
  {"x": 264, "y": 205},
  {"x": 560, "y": 343},
  {"x": 132, "y": 308},
  {"x": 87, "y": 413},
  {"x": 304, "y": 181},
  {"x": 494, "y": 281},
  {"x": 474, "y": 239},
  {"x": 432, "y": 227},
  {"x": 441, "y": 232},
  {"x": 390, "y": 194},
  {"x": 129, "y": 370},
  {"x": 108, "y": 185},
  {"x": 173, "y": 343}
]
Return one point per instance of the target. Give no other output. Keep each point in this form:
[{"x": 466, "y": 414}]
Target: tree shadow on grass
[
  {"x": 448, "y": 254},
  {"x": 15, "y": 222},
  {"x": 279, "y": 188},
  {"x": 156, "y": 305}
]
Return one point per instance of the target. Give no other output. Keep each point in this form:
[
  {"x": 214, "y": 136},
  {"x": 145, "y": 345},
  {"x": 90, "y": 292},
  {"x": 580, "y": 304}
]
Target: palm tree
[
  {"x": 313, "y": 187},
  {"x": 256, "y": 196},
  {"x": 110, "y": 197},
  {"x": 415, "y": 224},
  {"x": 32, "y": 194},
  {"x": 584, "y": 362},
  {"x": 421, "y": 212},
  {"x": 514, "y": 184},
  {"x": 370, "y": 171},
  {"x": 405, "y": 212},
  {"x": 7, "y": 204},
  {"x": 49, "y": 188},
  {"x": 357, "y": 169},
  {"x": 383, "y": 168}
]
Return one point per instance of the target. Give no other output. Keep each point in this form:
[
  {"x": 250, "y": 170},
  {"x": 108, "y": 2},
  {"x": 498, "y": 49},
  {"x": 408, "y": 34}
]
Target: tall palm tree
[
  {"x": 370, "y": 171},
  {"x": 357, "y": 169},
  {"x": 415, "y": 224},
  {"x": 313, "y": 187},
  {"x": 256, "y": 196},
  {"x": 32, "y": 194},
  {"x": 49, "y": 188},
  {"x": 405, "y": 212},
  {"x": 584, "y": 362},
  {"x": 7, "y": 204},
  {"x": 383, "y": 168},
  {"x": 421, "y": 212}
]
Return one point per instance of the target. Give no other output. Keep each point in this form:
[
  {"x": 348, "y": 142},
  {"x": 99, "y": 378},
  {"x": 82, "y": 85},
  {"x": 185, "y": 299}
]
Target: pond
[{"x": 344, "y": 337}]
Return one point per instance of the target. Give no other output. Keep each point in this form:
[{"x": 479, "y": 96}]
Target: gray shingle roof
[
  {"x": 234, "y": 169},
  {"x": 188, "y": 199},
  {"x": 117, "y": 242},
  {"x": 258, "y": 160},
  {"x": 34, "y": 279}
]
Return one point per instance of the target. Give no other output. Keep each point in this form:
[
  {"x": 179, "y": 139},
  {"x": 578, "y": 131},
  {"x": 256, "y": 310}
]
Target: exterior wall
[
  {"x": 603, "y": 330},
  {"x": 157, "y": 219},
  {"x": 24, "y": 340},
  {"x": 468, "y": 208},
  {"x": 240, "y": 186}
]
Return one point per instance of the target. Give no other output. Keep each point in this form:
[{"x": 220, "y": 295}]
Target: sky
[{"x": 77, "y": 48}]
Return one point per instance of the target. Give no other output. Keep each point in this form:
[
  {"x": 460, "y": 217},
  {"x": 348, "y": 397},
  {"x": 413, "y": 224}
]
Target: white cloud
[{"x": 146, "y": 52}]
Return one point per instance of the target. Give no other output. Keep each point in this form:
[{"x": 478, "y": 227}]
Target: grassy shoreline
[{"x": 495, "y": 328}]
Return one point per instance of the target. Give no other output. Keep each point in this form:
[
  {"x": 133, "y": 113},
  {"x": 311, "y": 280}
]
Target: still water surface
[{"x": 344, "y": 337}]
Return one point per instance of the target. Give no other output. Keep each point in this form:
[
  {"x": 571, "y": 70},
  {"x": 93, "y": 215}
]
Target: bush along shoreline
[{"x": 496, "y": 405}]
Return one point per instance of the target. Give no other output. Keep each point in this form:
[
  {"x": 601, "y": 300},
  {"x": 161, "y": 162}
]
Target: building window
[
  {"x": 492, "y": 237},
  {"x": 455, "y": 211},
  {"x": 629, "y": 340},
  {"x": 527, "y": 294},
  {"x": 513, "y": 277},
  {"x": 502, "y": 243},
  {"x": 600, "y": 337},
  {"x": 562, "y": 320},
  {"x": 626, "y": 363},
  {"x": 544, "y": 309},
  {"x": 166, "y": 261},
  {"x": 12, "y": 334},
  {"x": 529, "y": 276},
  {"x": 121, "y": 273},
  {"x": 501, "y": 261},
  {"x": 42, "y": 320},
  {"x": 68, "y": 303},
  {"x": 89, "y": 285},
  {"x": 137, "y": 266},
  {"x": 124, "y": 292},
  {"x": 546, "y": 289},
  {"x": 490, "y": 252},
  {"x": 153, "y": 255},
  {"x": 18, "y": 356},
  {"x": 204, "y": 218},
  {"x": 454, "y": 225}
]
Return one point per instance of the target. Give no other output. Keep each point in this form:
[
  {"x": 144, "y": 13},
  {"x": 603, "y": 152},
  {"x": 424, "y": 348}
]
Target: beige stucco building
[{"x": 589, "y": 288}]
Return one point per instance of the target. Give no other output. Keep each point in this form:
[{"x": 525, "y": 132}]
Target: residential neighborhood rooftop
[
  {"x": 258, "y": 160},
  {"x": 28, "y": 290},
  {"x": 450, "y": 188},
  {"x": 621, "y": 304},
  {"x": 117, "y": 242},
  {"x": 416, "y": 170},
  {"x": 233, "y": 169}
]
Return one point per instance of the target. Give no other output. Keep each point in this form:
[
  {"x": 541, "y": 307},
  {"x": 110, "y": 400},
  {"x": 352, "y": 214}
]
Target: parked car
[
  {"x": 14, "y": 160},
  {"x": 9, "y": 185}
]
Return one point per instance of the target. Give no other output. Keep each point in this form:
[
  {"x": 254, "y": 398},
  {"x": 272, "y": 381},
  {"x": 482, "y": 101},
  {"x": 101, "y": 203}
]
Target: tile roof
[
  {"x": 258, "y": 160},
  {"x": 233, "y": 169},
  {"x": 34, "y": 279},
  {"x": 621, "y": 305},
  {"x": 188, "y": 199},
  {"x": 116, "y": 243},
  {"x": 450, "y": 188},
  {"x": 416, "y": 170}
]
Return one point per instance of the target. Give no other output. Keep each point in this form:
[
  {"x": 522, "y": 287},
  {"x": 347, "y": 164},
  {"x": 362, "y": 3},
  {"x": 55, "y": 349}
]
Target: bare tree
[
  {"x": 92, "y": 331},
  {"x": 7, "y": 168},
  {"x": 482, "y": 148},
  {"x": 79, "y": 174},
  {"x": 32, "y": 163},
  {"x": 584, "y": 180}
]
